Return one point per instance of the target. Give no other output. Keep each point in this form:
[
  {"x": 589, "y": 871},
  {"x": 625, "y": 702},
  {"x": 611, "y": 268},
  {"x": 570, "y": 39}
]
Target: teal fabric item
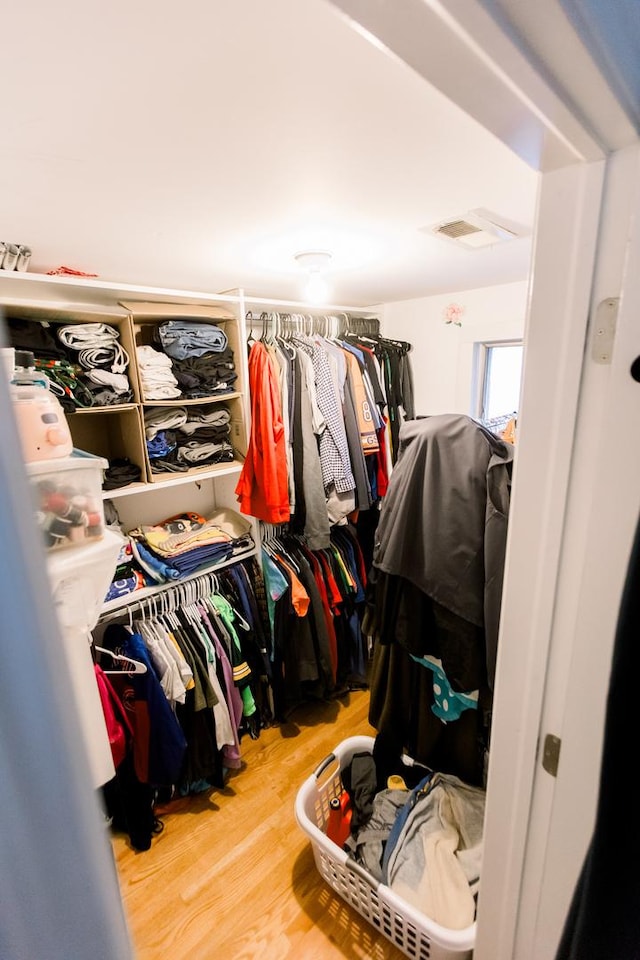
[
  {"x": 276, "y": 586},
  {"x": 447, "y": 704}
]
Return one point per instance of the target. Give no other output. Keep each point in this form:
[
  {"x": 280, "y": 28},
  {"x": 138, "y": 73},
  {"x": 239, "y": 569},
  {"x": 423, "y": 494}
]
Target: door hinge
[
  {"x": 604, "y": 330},
  {"x": 551, "y": 754}
]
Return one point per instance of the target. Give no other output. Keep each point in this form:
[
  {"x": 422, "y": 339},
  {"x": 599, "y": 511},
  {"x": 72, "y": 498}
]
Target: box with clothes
[
  {"x": 88, "y": 357},
  {"x": 190, "y": 380},
  {"x": 411, "y": 862},
  {"x": 184, "y": 352}
]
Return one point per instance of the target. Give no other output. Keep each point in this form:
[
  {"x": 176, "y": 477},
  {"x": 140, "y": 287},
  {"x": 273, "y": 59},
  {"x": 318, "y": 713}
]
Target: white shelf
[
  {"x": 185, "y": 402},
  {"x": 121, "y": 603},
  {"x": 39, "y": 289},
  {"x": 59, "y": 291},
  {"x": 175, "y": 480},
  {"x": 107, "y": 408}
]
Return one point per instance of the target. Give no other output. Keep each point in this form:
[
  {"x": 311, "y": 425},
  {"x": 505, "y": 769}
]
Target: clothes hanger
[
  {"x": 135, "y": 666},
  {"x": 285, "y": 555},
  {"x": 249, "y": 319}
]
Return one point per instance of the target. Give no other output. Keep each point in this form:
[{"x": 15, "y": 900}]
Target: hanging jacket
[
  {"x": 159, "y": 743},
  {"x": 263, "y": 487},
  {"x": 443, "y": 523}
]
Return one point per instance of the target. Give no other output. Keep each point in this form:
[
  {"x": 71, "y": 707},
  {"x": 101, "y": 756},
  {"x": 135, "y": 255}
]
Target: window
[{"x": 498, "y": 376}]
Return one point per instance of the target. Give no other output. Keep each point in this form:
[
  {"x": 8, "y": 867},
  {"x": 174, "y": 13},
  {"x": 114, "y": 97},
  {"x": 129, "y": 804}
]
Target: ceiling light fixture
[{"x": 315, "y": 262}]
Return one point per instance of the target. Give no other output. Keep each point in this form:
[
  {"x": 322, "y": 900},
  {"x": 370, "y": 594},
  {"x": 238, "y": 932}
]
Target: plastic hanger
[
  {"x": 135, "y": 666},
  {"x": 250, "y": 339}
]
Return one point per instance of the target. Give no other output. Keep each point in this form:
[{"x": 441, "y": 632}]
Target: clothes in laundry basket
[
  {"x": 368, "y": 844},
  {"x": 435, "y": 862}
]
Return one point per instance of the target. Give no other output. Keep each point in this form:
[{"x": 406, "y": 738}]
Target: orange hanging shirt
[{"x": 263, "y": 488}]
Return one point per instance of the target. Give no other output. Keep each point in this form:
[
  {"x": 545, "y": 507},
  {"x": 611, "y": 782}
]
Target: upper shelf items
[{"x": 180, "y": 420}]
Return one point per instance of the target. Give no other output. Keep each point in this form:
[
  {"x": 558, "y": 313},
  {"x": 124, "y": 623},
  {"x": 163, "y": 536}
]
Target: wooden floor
[{"x": 232, "y": 876}]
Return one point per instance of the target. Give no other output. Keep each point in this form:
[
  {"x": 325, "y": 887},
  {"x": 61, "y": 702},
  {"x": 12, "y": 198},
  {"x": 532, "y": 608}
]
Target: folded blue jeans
[{"x": 191, "y": 338}]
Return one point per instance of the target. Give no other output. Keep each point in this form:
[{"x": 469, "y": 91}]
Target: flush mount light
[{"x": 315, "y": 262}]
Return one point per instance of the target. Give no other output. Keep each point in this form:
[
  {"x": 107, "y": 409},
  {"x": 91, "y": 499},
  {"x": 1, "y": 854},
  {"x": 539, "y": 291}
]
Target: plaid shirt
[{"x": 334, "y": 450}]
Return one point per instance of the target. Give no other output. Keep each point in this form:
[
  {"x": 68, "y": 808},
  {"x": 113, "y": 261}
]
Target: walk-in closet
[{"x": 320, "y": 354}]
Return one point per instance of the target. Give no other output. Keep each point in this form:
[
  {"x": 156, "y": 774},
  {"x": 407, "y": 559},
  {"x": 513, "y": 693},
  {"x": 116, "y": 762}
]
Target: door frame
[{"x": 492, "y": 71}]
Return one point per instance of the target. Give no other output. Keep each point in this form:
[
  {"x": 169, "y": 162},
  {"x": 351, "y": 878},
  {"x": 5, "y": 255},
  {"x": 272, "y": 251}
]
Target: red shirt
[{"x": 263, "y": 489}]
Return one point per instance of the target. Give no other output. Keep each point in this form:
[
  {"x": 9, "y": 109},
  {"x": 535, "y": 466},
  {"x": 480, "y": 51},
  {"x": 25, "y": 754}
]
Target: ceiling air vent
[
  {"x": 476, "y": 229},
  {"x": 457, "y": 229}
]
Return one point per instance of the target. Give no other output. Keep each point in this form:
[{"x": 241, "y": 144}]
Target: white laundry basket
[{"x": 411, "y": 931}]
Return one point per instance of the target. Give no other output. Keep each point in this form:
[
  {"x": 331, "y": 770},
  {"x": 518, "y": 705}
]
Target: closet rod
[
  {"x": 295, "y": 306},
  {"x": 179, "y": 594},
  {"x": 120, "y": 606},
  {"x": 325, "y": 324}
]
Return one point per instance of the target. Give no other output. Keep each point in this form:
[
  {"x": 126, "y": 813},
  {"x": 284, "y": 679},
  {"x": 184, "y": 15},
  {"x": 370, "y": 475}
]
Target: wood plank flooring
[{"x": 232, "y": 875}]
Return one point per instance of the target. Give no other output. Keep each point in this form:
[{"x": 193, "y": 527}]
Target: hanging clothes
[
  {"x": 319, "y": 650},
  {"x": 207, "y": 682},
  {"x": 262, "y": 489},
  {"x": 341, "y": 401},
  {"x": 435, "y": 590},
  {"x": 159, "y": 744}
]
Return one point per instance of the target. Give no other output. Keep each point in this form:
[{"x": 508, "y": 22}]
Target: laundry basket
[{"x": 410, "y": 930}]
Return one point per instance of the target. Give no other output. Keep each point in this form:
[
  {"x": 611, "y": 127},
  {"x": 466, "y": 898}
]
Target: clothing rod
[
  {"x": 122, "y": 606},
  {"x": 298, "y": 307},
  {"x": 324, "y": 324},
  {"x": 293, "y": 315}
]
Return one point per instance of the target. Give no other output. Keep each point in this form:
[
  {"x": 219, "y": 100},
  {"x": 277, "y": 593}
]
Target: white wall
[{"x": 442, "y": 355}]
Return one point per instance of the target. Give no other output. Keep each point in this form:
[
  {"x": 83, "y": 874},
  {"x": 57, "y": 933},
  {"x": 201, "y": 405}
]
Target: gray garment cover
[
  {"x": 316, "y": 527},
  {"x": 443, "y": 523}
]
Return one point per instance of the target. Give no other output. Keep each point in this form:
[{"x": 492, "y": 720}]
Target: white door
[
  {"x": 603, "y": 509},
  {"x": 530, "y": 81}
]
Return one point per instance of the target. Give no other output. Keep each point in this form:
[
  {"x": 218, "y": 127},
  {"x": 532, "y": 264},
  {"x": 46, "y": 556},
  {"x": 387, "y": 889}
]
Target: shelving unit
[{"x": 118, "y": 430}]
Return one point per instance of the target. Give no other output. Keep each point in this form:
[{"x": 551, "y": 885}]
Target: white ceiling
[{"x": 201, "y": 144}]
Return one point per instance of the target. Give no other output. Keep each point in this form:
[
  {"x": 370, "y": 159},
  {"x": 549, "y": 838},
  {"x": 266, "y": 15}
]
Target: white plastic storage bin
[
  {"x": 411, "y": 931},
  {"x": 67, "y": 495}
]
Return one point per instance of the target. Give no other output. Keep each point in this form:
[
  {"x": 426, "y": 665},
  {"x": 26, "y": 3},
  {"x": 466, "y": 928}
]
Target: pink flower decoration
[{"x": 452, "y": 314}]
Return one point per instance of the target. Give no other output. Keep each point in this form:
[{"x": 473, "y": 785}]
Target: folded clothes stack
[
  {"x": 202, "y": 360},
  {"x": 191, "y": 338},
  {"x": 178, "y": 438},
  {"x": 128, "y": 575},
  {"x": 103, "y": 360},
  {"x": 85, "y": 363},
  {"x": 120, "y": 473},
  {"x": 156, "y": 375},
  {"x": 184, "y": 544},
  {"x": 210, "y": 375}
]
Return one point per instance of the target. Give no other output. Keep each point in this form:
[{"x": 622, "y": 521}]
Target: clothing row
[
  {"x": 321, "y": 443},
  {"x": 174, "y": 548},
  {"x": 175, "y": 726},
  {"x": 396, "y": 379},
  {"x": 178, "y": 438},
  {"x": 85, "y": 363},
  {"x": 192, "y": 360},
  {"x": 434, "y": 591},
  {"x": 314, "y": 603}
]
